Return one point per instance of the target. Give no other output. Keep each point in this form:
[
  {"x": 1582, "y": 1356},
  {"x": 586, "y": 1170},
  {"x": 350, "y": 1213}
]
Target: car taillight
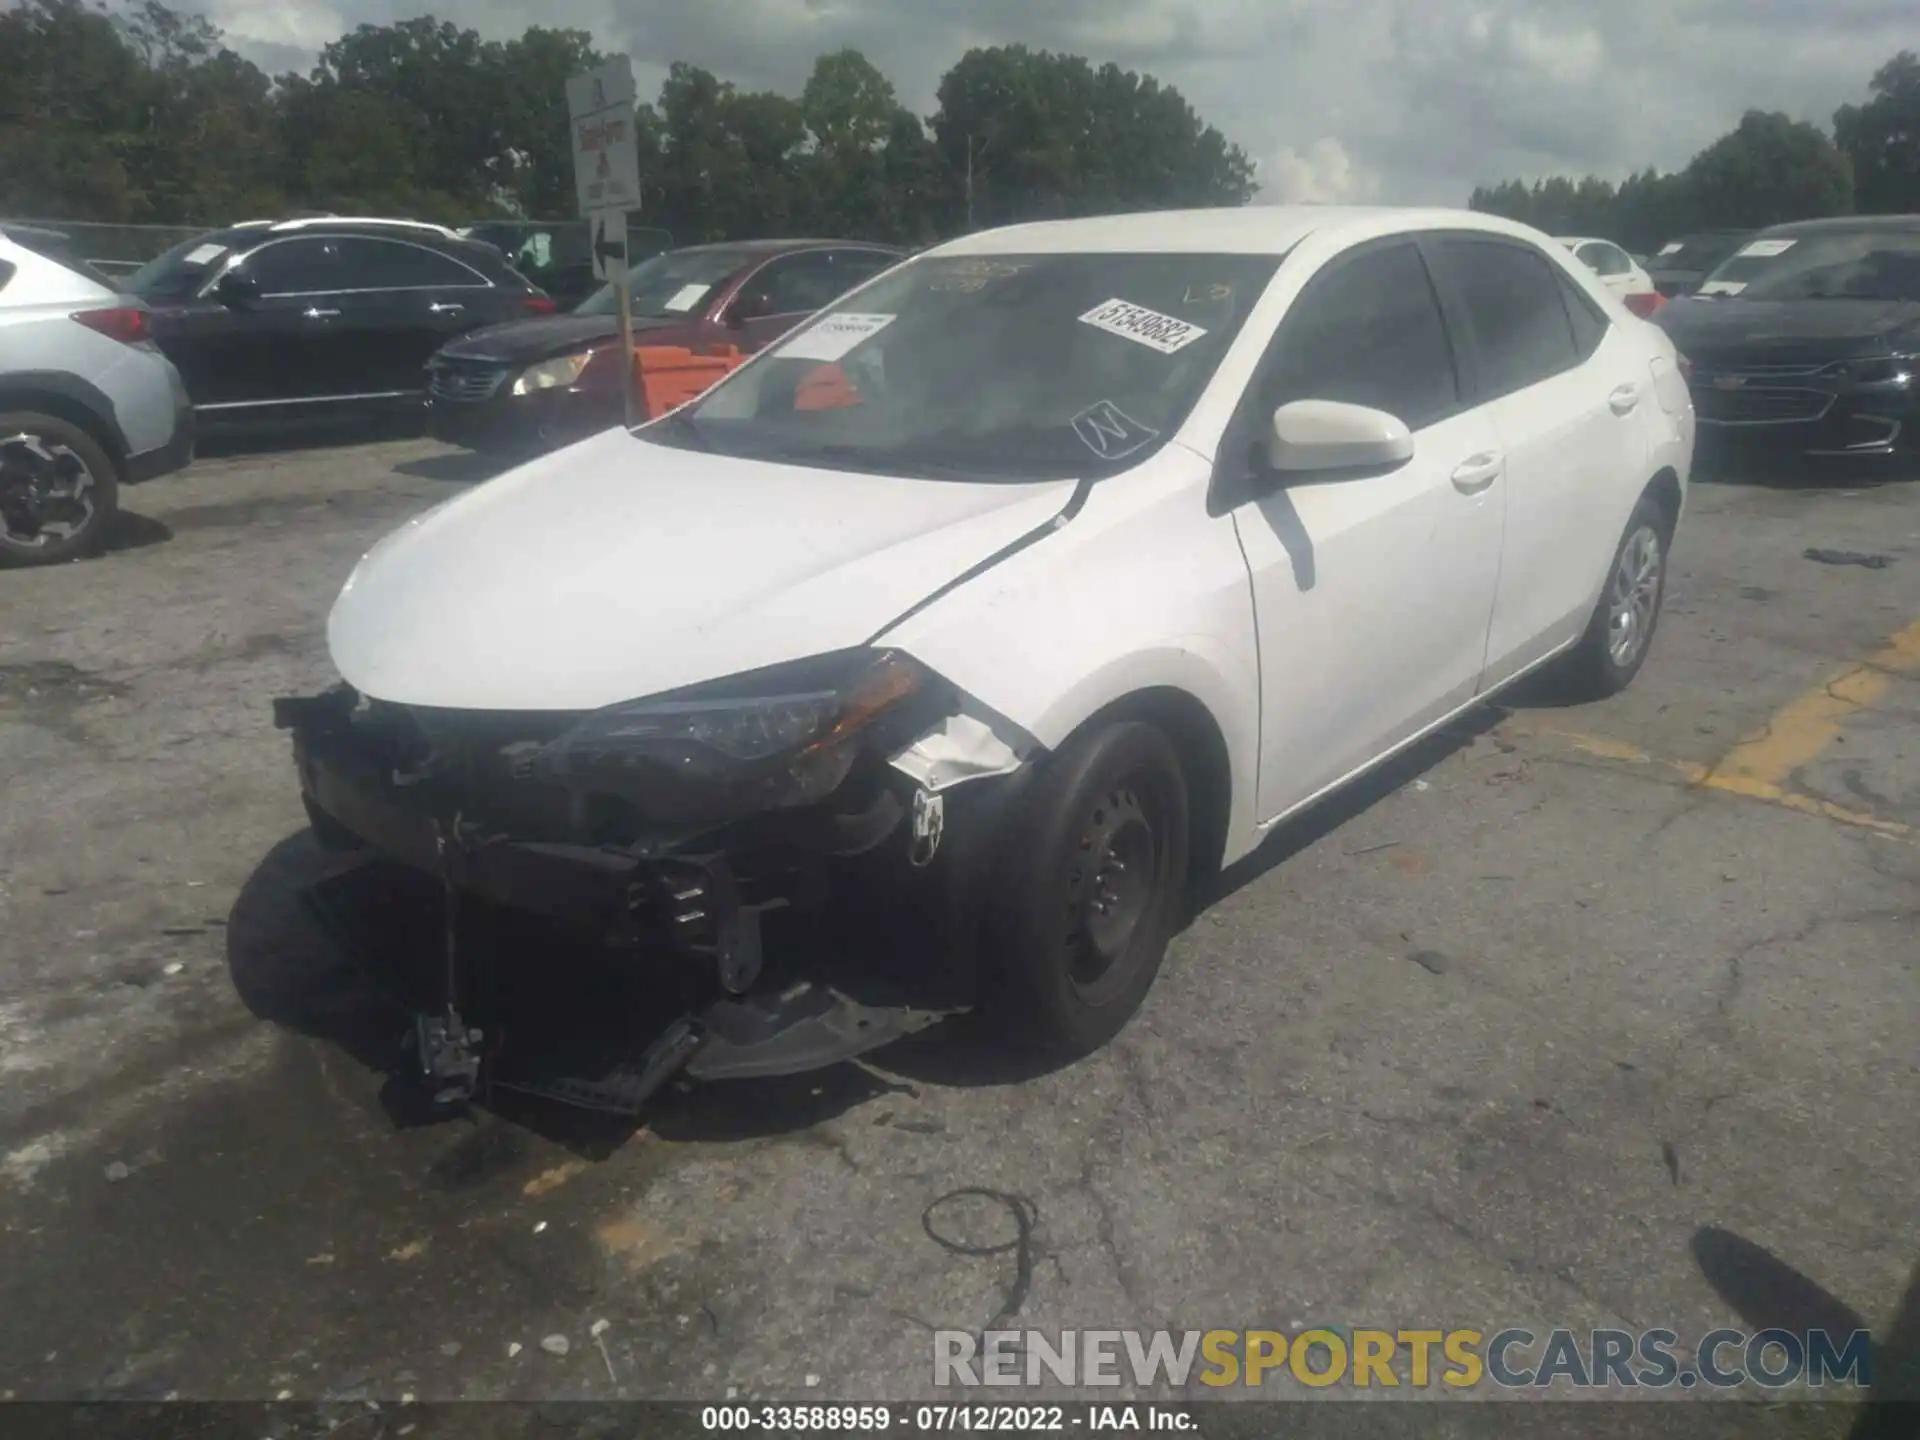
[
  {"x": 125, "y": 323},
  {"x": 540, "y": 305},
  {"x": 1644, "y": 305}
]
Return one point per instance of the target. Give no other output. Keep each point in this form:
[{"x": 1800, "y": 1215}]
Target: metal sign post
[{"x": 606, "y": 172}]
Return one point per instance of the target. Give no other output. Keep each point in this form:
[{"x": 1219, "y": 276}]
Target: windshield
[
  {"x": 1864, "y": 264},
  {"x": 1008, "y": 367},
  {"x": 178, "y": 273},
  {"x": 1696, "y": 252},
  {"x": 670, "y": 286}
]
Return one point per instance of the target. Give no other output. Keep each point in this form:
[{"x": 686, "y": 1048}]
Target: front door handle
[
  {"x": 1477, "y": 472},
  {"x": 314, "y": 312},
  {"x": 438, "y": 308},
  {"x": 1622, "y": 400}
]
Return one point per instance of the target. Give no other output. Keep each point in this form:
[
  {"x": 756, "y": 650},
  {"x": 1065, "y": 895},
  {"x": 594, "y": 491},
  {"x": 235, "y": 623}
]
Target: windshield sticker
[
  {"x": 1721, "y": 287},
  {"x": 970, "y": 276},
  {"x": 1763, "y": 249},
  {"x": 1673, "y": 247},
  {"x": 685, "y": 298},
  {"x": 1110, "y": 432},
  {"x": 1146, "y": 327},
  {"x": 833, "y": 336},
  {"x": 205, "y": 254},
  {"x": 1202, "y": 294}
]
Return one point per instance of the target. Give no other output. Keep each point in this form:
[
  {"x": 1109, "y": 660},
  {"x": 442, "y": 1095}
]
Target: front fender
[{"x": 1141, "y": 591}]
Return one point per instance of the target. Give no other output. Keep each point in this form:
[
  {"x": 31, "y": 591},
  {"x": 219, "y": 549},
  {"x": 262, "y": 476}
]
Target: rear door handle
[
  {"x": 314, "y": 312},
  {"x": 1622, "y": 400},
  {"x": 437, "y": 308},
  {"x": 1477, "y": 472}
]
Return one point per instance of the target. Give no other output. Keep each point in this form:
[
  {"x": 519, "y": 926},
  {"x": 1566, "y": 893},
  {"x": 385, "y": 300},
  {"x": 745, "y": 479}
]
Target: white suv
[{"x": 87, "y": 404}]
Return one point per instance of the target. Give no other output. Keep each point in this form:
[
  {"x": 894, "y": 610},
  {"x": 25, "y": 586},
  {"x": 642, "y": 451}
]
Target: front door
[{"x": 1372, "y": 595}]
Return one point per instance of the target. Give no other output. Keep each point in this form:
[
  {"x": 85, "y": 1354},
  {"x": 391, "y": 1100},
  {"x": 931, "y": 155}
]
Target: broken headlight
[{"x": 783, "y": 736}]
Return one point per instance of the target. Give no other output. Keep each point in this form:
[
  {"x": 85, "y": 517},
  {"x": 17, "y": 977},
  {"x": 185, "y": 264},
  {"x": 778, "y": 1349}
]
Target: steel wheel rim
[
  {"x": 1633, "y": 595},
  {"x": 1110, "y": 891},
  {"x": 46, "y": 492}
]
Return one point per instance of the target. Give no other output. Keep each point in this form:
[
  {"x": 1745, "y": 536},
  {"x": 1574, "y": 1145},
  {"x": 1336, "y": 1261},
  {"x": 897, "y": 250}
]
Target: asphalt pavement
[{"x": 1513, "y": 1036}]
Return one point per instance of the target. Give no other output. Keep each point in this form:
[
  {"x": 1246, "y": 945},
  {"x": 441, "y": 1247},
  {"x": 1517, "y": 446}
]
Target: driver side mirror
[
  {"x": 237, "y": 290},
  {"x": 1331, "y": 439}
]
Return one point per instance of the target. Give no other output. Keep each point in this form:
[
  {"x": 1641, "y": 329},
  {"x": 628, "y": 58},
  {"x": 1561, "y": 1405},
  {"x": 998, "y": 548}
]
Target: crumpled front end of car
[{"x": 665, "y": 830}]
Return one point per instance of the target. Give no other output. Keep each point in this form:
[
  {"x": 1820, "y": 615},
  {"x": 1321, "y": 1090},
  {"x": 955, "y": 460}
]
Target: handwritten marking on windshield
[{"x": 1110, "y": 432}]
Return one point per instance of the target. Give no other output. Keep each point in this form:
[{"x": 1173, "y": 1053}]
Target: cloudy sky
[{"x": 1401, "y": 101}]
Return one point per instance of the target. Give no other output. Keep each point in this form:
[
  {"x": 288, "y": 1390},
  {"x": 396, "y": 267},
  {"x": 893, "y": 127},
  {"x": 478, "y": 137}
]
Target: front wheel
[
  {"x": 1620, "y": 632},
  {"x": 1092, "y": 880},
  {"x": 58, "y": 490}
]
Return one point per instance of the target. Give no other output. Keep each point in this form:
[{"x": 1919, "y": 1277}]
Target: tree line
[
  {"x": 142, "y": 114},
  {"x": 1768, "y": 169}
]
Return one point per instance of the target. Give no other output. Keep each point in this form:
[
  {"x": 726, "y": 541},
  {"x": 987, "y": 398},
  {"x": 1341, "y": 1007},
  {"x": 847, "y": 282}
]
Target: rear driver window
[
  {"x": 1589, "y": 325},
  {"x": 7, "y": 271},
  {"x": 1514, "y": 304}
]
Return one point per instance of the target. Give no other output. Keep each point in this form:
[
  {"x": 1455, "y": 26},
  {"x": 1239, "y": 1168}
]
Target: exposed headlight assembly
[
  {"x": 552, "y": 374},
  {"x": 784, "y": 736}
]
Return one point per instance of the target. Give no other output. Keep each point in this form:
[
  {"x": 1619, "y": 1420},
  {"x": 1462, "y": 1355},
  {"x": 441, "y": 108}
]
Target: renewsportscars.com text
[{"x": 1415, "y": 1359}]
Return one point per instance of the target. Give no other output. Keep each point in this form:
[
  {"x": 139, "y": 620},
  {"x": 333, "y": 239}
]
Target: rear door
[
  {"x": 1561, "y": 384},
  {"x": 405, "y": 302}
]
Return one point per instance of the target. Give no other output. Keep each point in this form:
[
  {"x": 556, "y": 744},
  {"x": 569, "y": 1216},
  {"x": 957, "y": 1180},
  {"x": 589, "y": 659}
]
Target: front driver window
[{"x": 1367, "y": 332}]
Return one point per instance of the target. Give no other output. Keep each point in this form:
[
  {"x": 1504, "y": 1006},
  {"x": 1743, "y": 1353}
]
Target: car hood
[
  {"x": 525, "y": 341},
  {"x": 619, "y": 568},
  {"x": 1719, "y": 329}
]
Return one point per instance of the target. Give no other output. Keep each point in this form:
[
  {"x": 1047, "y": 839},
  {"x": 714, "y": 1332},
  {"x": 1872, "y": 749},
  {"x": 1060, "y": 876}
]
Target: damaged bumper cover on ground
[{"x": 664, "y": 831}]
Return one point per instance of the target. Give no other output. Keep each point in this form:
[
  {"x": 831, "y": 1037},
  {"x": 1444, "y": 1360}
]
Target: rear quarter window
[{"x": 1589, "y": 322}]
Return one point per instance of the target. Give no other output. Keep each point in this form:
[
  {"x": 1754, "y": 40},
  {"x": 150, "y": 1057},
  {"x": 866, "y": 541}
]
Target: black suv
[{"x": 313, "y": 318}]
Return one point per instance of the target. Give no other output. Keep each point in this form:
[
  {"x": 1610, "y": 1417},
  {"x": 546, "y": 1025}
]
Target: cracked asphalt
[{"x": 1492, "y": 1042}]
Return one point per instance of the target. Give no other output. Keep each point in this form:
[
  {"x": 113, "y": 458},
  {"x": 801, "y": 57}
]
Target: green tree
[
  {"x": 1768, "y": 169},
  {"x": 1028, "y": 133},
  {"x": 1882, "y": 139},
  {"x": 72, "y": 111}
]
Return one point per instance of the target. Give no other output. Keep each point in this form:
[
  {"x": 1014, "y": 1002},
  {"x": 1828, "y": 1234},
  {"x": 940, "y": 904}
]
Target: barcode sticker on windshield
[
  {"x": 1673, "y": 247},
  {"x": 1164, "y": 333},
  {"x": 1761, "y": 249},
  {"x": 205, "y": 254},
  {"x": 833, "y": 336},
  {"x": 686, "y": 297}
]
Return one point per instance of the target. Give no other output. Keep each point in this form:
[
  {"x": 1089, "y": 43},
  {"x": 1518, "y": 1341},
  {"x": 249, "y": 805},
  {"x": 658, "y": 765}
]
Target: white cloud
[{"x": 1321, "y": 174}]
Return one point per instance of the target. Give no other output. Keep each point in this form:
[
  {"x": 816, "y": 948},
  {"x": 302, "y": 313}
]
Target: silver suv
[{"x": 87, "y": 404}]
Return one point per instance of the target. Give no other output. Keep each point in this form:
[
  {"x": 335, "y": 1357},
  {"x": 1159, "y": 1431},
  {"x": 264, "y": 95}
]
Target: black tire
[
  {"x": 1064, "y": 974},
  {"x": 1604, "y": 663},
  {"x": 42, "y": 453}
]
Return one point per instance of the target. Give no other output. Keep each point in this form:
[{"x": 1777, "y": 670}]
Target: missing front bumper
[{"x": 675, "y": 923}]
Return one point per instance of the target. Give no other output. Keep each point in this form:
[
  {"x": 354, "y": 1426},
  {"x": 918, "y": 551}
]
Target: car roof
[
  {"x": 1244, "y": 230},
  {"x": 1845, "y": 223},
  {"x": 771, "y": 247}
]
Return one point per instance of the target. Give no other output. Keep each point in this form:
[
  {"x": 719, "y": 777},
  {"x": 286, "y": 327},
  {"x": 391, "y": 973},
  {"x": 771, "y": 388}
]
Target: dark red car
[{"x": 537, "y": 384}]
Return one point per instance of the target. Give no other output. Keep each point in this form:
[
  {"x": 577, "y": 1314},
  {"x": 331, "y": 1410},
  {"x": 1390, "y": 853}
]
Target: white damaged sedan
[{"x": 1040, "y": 577}]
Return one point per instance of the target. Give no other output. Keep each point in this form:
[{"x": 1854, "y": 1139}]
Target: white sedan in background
[
  {"x": 1618, "y": 271},
  {"x": 1061, "y": 562}
]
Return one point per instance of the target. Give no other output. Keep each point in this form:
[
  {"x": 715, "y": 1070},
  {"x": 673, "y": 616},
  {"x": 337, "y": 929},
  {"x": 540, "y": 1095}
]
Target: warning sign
[{"x": 606, "y": 152}]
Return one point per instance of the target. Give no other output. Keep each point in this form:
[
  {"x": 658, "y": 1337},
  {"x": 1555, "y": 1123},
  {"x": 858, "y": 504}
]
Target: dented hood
[{"x": 618, "y": 568}]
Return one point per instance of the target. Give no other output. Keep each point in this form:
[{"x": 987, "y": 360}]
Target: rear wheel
[
  {"x": 1620, "y": 632},
  {"x": 58, "y": 490},
  {"x": 1090, "y": 893}
]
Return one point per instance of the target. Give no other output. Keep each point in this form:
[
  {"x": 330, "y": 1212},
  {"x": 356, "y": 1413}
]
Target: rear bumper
[{"x": 176, "y": 454}]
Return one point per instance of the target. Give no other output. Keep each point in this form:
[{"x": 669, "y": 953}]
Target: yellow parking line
[{"x": 1801, "y": 731}]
